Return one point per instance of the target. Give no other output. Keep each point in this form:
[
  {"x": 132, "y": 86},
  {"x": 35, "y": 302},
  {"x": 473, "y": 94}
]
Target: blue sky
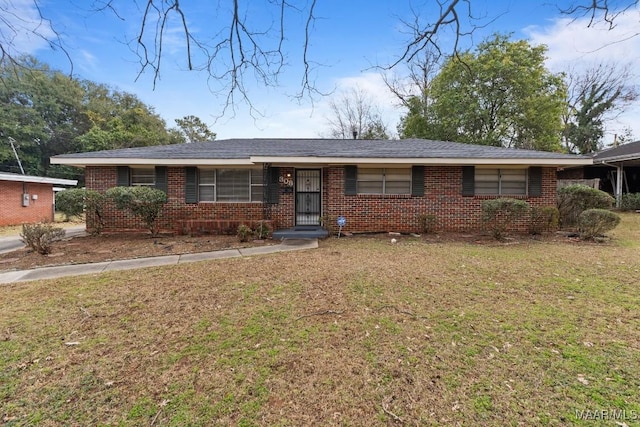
[{"x": 348, "y": 39}]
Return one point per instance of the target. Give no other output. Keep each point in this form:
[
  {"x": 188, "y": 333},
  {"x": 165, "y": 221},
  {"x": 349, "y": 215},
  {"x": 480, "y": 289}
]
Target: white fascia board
[
  {"x": 635, "y": 156},
  {"x": 84, "y": 162},
  {"x": 38, "y": 179},
  {"x": 422, "y": 161}
]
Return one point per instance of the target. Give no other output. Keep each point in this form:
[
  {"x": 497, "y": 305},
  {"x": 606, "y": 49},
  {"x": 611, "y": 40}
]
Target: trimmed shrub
[
  {"x": 498, "y": 214},
  {"x": 544, "y": 219},
  {"x": 574, "y": 199},
  {"x": 630, "y": 202},
  {"x": 244, "y": 233},
  {"x": 596, "y": 222},
  {"x": 70, "y": 202},
  {"x": 262, "y": 230},
  {"x": 144, "y": 202},
  {"x": 40, "y": 236}
]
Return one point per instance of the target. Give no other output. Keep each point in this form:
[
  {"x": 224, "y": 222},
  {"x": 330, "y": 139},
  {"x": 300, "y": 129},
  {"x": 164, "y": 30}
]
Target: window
[
  {"x": 230, "y": 185},
  {"x": 384, "y": 181},
  {"x": 509, "y": 182},
  {"x": 143, "y": 176}
]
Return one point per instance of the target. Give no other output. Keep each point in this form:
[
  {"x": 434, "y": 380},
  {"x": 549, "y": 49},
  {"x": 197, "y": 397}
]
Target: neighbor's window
[
  {"x": 508, "y": 182},
  {"x": 384, "y": 181},
  {"x": 230, "y": 185},
  {"x": 143, "y": 176}
]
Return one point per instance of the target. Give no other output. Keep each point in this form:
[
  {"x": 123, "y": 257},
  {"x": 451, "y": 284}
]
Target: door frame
[{"x": 295, "y": 195}]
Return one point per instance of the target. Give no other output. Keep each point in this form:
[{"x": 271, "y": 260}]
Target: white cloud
[
  {"x": 22, "y": 29},
  {"x": 573, "y": 44}
]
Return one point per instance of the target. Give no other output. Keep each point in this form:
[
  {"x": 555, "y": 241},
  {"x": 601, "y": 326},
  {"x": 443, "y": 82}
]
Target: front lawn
[{"x": 358, "y": 332}]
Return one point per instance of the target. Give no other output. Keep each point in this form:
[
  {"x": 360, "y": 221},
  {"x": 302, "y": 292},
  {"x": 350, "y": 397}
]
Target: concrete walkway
[
  {"x": 12, "y": 243},
  {"x": 130, "y": 264}
]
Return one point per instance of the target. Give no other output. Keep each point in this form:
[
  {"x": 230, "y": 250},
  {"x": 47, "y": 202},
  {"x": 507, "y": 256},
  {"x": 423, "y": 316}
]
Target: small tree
[
  {"x": 40, "y": 236},
  {"x": 144, "y": 202},
  {"x": 575, "y": 199},
  {"x": 594, "y": 223},
  {"x": 94, "y": 204},
  {"x": 499, "y": 214}
]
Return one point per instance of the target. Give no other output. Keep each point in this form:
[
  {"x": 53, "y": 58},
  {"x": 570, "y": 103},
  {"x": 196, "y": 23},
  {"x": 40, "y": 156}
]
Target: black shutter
[
  {"x": 350, "y": 180},
  {"x": 123, "y": 176},
  {"x": 417, "y": 181},
  {"x": 535, "y": 181},
  {"x": 162, "y": 182},
  {"x": 272, "y": 185},
  {"x": 468, "y": 180},
  {"x": 190, "y": 185}
]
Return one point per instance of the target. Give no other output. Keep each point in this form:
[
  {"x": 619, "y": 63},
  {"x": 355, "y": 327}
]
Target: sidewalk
[{"x": 130, "y": 264}]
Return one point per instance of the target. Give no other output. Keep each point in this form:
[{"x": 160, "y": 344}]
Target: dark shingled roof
[
  {"x": 630, "y": 151},
  {"x": 336, "y": 148}
]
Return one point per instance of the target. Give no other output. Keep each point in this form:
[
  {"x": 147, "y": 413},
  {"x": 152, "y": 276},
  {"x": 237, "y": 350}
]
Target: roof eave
[{"x": 306, "y": 160}]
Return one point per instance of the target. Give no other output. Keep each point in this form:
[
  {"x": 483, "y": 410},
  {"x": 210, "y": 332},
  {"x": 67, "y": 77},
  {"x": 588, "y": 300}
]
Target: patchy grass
[{"x": 358, "y": 332}]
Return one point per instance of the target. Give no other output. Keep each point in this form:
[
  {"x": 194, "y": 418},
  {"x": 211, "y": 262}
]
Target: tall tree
[
  {"x": 355, "y": 115},
  {"x": 499, "y": 95},
  {"x": 238, "y": 47},
  {"x": 194, "y": 129},
  {"x": 48, "y": 113},
  {"x": 595, "y": 96}
]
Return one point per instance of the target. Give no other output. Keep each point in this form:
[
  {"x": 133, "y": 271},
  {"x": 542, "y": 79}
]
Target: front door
[{"x": 308, "y": 191}]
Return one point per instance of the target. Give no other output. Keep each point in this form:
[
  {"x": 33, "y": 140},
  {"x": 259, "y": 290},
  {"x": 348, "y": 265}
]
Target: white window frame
[
  {"x": 500, "y": 175},
  {"x": 255, "y": 180},
  {"x": 139, "y": 176},
  {"x": 385, "y": 175}
]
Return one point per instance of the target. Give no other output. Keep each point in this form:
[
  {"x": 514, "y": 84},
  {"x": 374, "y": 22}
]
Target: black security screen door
[{"x": 308, "y": 190}]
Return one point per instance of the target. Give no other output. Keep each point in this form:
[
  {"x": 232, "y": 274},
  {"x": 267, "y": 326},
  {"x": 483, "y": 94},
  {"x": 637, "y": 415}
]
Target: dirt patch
[{"x": 110, "y": 247}]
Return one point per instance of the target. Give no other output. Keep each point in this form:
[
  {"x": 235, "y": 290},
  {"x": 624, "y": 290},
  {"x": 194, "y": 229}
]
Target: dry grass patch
[{"x": 358, "y": 332}]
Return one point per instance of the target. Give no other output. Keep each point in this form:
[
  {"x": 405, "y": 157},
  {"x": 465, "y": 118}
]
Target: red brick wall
[
  {"x": 442, "y": 198},
  {"x": 11, "y": 210}
]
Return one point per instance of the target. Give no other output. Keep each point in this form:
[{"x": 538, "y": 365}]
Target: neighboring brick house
[
  {"x": 27, "y": 199},
  {"x": 376, "y": 185}
]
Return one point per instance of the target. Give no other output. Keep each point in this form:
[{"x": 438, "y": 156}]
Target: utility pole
[{"x": 15, "y": 153}]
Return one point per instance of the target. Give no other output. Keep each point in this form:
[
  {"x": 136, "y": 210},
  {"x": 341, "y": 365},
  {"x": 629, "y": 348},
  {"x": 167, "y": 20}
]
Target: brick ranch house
[
  {"x": 376, "y": 185},
  {"x": 26, "y": 198}
]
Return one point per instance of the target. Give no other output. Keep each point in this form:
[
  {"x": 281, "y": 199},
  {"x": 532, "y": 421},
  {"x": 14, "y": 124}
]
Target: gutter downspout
[{"x": 619, "y": 171}]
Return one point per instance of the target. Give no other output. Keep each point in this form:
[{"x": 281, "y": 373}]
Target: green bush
[
  {"x": 40, "y": 236},
  {"x": 544, "y": 219},
  {"x": 574, "y": 199},
  {"x": 262, "y": 230},
  {"x": 70, "y": 202},
  {"x": 630, "y": 202},
  {"x": 427, "y": 223},
  {"x": 144, "y": 202},
  {"x": 498, "y": 214},
  {"x": 596, "y": 222},
  {"x": 244, "y": 233}
]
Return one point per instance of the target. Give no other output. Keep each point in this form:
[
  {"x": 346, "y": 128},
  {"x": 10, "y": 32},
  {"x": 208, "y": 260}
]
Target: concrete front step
[{"x": 301, "y": 232}]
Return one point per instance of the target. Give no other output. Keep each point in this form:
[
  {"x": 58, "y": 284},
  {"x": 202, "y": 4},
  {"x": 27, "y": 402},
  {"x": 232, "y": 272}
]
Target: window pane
[
  {"x": 207, "y": 176},
  {"x": 514, "y": 181},
  {"x": 143, "y": 176},
  {"x": 486, "y": 181},
  {"x": 370, "y": 174},
  {"x": 206, "y": 193},
  {"x": 233, "y": 185},
  {"x": 369, "y": 187},
  {"x": 257, "y": 176},
  {"x": 257, "y": 193},
  {"x": 398, "y": 187},
  {"x": 397, "y": 174}
]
